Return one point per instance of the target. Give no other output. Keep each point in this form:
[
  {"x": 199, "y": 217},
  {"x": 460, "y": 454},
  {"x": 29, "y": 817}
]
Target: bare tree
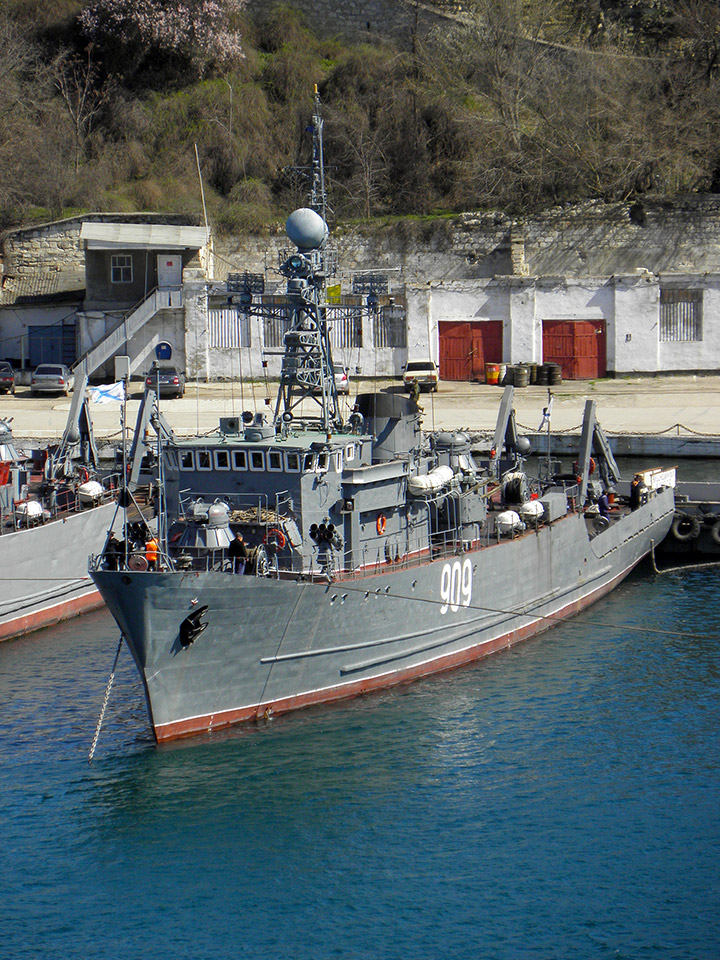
[{"x": 77, "y": 80}]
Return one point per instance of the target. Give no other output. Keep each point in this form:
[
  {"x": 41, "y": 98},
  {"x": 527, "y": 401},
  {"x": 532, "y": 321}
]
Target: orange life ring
[
  {"x": 380, "y": 524},
  {"x": 591, "y": 468},
  {"x": 275, "y": 538}
]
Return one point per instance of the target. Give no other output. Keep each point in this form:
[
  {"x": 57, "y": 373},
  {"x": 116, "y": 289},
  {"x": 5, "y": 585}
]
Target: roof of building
[
  {"x": 142, "y": 236},
  {"x": 41, "y": 287}
]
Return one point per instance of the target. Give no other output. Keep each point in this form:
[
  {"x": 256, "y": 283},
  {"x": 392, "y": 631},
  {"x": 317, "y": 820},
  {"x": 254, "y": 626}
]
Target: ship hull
[
  {"x": 45, "y": 577},
  {"x": 276, "y": 645}
]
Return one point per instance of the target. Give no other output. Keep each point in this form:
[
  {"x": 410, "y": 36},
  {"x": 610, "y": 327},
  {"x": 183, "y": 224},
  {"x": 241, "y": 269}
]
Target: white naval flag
[{"x": 108, "y": 393}]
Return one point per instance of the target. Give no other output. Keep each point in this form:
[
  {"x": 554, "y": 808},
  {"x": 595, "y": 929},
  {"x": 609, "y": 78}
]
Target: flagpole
[
  {"x": 548, "y": 431},
  {"x": 123, "y": 416}
]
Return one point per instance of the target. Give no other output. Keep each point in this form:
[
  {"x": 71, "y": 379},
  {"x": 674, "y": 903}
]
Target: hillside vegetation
[{"x": 104, "y": 104}]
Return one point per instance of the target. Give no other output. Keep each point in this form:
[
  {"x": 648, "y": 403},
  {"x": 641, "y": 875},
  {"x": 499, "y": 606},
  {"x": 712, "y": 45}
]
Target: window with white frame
[
  {"x": 222, "y": 459},
  {"x": 680, "y": 315},
  {"x": 239, "y": 460},
  {"x": 187, "y": 460},
  {"x": 121, "y": 268}
]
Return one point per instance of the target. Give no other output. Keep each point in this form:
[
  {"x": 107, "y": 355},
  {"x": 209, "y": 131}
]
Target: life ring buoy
[
  {"x": 685, "y": 527},
  {"x": 381, "y": 523},
  {"x": 274, "y": 538},
  {"x": 715, "y": 532}
]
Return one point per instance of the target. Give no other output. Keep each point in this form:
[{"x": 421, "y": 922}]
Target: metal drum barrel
[
  {"x": 521, "y": 375},
  {"x": 554, "y": 373},
  {"x": 492, "y": 372}
]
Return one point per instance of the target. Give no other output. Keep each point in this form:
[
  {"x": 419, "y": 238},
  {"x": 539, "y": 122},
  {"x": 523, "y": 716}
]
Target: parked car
[
  {"x": 171, "y": 381},
  {"x": 7, "y": 377},
  {"x": 52, "y": 378},
  {"x": 422, "y": 372},
  {"x": 342, "y": 380}
]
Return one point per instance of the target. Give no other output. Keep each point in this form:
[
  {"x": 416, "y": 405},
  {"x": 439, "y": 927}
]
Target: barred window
[
  {"x": 121, "y": 270},
  {"x": 680, "y": 315},
  {"x": 345, "y": 322},
  {"x": 389, "y": 327},
  {"x": 228, "y": 328},
  {"x": 276, "y": 322}
]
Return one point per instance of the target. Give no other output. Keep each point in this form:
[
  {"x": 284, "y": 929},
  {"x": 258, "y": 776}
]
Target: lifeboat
[{"x": 430, "y": 483}]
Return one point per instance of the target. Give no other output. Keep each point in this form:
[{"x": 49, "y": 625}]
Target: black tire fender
[
  {"x": 685, "y": 527},
  {"x": 715, "y": 532}
]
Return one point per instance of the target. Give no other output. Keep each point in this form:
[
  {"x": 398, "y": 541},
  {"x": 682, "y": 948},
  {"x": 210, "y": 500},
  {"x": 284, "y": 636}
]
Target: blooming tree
[{"x": 203, "y": 31}]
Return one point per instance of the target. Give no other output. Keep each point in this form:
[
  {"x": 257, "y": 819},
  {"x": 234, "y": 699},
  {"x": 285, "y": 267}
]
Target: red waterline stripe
[{"x": 27, "y": 622}]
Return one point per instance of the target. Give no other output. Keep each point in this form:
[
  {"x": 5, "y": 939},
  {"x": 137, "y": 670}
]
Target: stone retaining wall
[
  {"x": 592, "y": 239},
  {"x": 369, "y": 20}
]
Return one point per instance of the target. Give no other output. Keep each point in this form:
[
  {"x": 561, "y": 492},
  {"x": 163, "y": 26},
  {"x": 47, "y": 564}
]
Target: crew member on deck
[
  {"x": 238, "y": 553},
  {"x": 151, "y": 552},
  {"x": 113, "y": 551},
  {"x": 356, "y": 420},
  {"x": 638, "y": 492}
]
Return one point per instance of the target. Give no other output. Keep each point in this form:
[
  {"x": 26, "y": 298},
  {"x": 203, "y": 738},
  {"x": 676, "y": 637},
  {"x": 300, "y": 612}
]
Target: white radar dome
[{"x": 306, "y": 229}]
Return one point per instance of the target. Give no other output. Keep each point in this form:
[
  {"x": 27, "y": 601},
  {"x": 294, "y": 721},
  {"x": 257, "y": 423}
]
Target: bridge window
[
  {"x": 257, "y": 460},
  {"x": 222, "y": 460},
  {"x": 275, "y": 461},
  {"x": 187, "y": 460},
  {"x": 121, "y": 268},
  {"x": 239, "y": 460},
  {"x": 204, "y": 460},
  {"x": 309, "y": 461},
  {"x": 292, "y": 462}
]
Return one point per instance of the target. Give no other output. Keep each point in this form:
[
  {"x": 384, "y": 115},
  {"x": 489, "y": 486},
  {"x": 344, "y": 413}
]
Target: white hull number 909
[{"x": 456, "y": 585}]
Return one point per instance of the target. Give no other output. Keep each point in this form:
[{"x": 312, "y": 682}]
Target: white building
[{"x": 132, "y": 280}]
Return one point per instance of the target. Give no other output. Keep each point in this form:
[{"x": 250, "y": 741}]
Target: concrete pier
[{"x": 654, "y": 416}]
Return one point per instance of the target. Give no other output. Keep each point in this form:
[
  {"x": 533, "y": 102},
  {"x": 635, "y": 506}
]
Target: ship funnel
[{"x": 306, "y": 229}]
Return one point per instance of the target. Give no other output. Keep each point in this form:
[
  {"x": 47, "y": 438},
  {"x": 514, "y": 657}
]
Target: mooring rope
[{"x": 105, "y": 701}]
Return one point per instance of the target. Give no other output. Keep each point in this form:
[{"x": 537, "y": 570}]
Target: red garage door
[
  {"x": 466, "y": 347},
  {"x": 579, "y": 346}
]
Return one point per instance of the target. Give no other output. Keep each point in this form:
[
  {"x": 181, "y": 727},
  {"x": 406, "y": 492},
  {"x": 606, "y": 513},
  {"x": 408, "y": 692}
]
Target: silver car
[
  {"x": 342, "y": 380},
  {"x": 52, "y": 378}
]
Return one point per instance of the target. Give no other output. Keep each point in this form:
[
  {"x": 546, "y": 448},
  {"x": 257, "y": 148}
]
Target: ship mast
[{"x": 307, "y": 369}]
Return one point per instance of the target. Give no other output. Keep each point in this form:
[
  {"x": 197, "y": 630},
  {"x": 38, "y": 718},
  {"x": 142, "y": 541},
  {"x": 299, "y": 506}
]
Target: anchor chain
[{"x": 105, "y": 701}]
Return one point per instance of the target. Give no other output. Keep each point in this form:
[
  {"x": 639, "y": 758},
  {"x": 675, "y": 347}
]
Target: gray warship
[
  {"x": 56, "y": 508},
  {"x": 373, "y": 553}
]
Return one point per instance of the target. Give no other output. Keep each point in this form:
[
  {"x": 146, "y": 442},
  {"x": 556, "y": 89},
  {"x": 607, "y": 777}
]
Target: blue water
[{"x": 560, "y": 800}]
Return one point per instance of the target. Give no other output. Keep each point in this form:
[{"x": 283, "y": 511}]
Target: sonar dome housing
[{"x": 306, "y": 229}]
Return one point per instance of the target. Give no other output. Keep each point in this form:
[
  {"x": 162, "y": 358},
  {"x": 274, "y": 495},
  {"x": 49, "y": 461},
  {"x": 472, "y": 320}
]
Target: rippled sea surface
[{"x": 560, "y": 800}]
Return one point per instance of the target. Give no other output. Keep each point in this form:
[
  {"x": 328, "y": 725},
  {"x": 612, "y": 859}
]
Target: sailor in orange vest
[{"x": 151, "y": 551}]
